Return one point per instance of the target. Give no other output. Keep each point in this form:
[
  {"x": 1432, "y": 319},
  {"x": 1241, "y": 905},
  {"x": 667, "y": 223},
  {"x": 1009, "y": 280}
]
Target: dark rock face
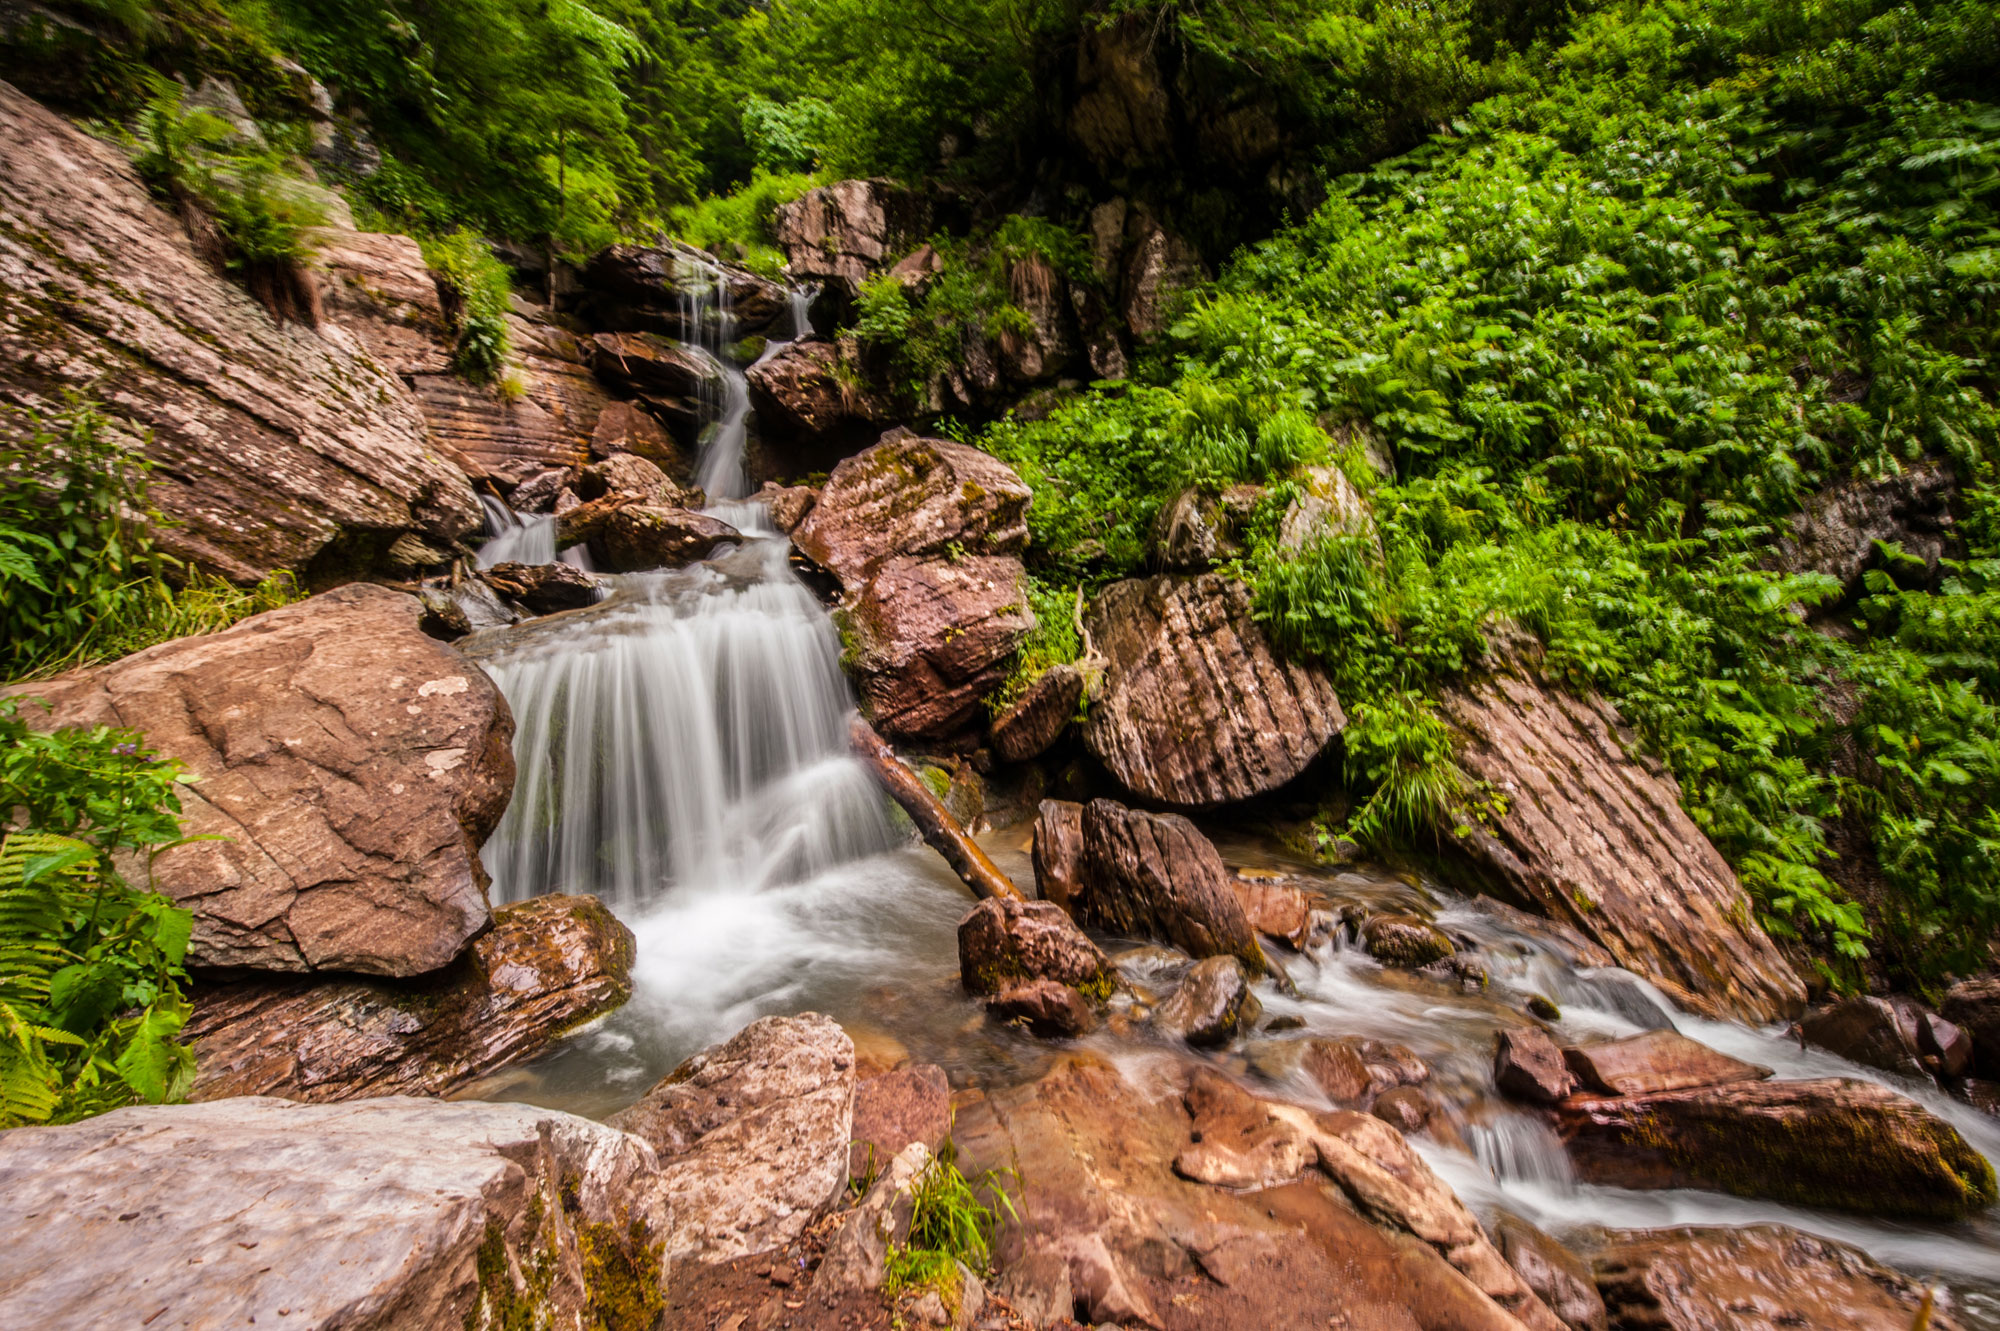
[
  {"x": 1026, "y": 729},
  {"x": 626, "y": 427},
  {"x": 538, "y": 494},
  {"x": 543, "y": 589},
  {"x": 1974, "y": 1006},
  {"x": 1869, "y": 1031},
  {"x": 930, "y": 638},
  {"x": 809, "y": 390},
  {"x": 1847, "y": 1145},
  {"x": 1058, "y": 851},
  {"x": 1837, "y": 533},
  {"x": 912, "y": 496},
  {"x": 634, "y": 286},
  {"x": 911, "y": 1104},
  {"x": 1045, "y": 1008},
  {"x": 1212, "y": 1003},
  {"x": 355, "y": 765},
  {"x": 752, "y": 1135},
  {"x": 546, "y": 966},
  {"x": 1405, "y": 942},
  {"x": 1757, "y": 1278},
  {"x": 1559, "y": 1278},
  {"x": 1151, "y": 875},
  {"x": 389, "y": 1213},
  {"x": 1654, "y": 1062},
  {"x": 1528, "y": 1066},
  {"x": 652, "y": 367},
  {"x": 1196, "y": 709},
  {"x": 1596, "y": 840},
  {"x": 636, "y": 538},
  {"x": 1004, "y": 942},
  {"x": 247, "y": 416}
]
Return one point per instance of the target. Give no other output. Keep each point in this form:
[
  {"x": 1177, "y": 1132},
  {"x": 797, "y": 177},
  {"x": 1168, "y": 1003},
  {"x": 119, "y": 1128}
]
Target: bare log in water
[{"x": 940, "y": 830}]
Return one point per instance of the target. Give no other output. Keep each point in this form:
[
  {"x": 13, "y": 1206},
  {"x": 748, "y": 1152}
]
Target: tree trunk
[{"x": 938, "y": 827}]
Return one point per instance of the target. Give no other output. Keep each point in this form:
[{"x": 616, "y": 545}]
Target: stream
[{"x": 682, "y": 754}]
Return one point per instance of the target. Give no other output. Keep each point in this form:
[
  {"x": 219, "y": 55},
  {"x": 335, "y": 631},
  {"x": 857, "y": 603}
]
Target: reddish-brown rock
[
  {"x": 377, "y": 288},
  {"x": 1845, "y": 1145},
  {"x": 636, "y": 538},
  {"x": 911, "y": 496},
  {"x": 271, "y": 442},
  {"x": 1196, "y": 708},
  {"x": 1031, "y": 723},
  {"x": 1653, "y": 1062},
  {"x": 1596, "y": 839},
  {"x": 787, "y": 504},
  {"x": 1057, "y": 851},
  {"x": 1757, "y": 1278},
  {"x": 810, "y": 390},
  {"x": 841, "y": 233},
  {"x": 1871, "y": 1031},
  {"x": 650, "y": 285},
  {"x": 546, "y": 966},
  {"x": 1210, "y": 1005},
  {"x": 543, "y": 589},
  {"x": 1528, "y": 1066},
  {"x": 552, "y": 423},
  {"x": 1277, "y": 909},
  {"x": 1560, "y": 1278},
  {"x": 930, "y": 638},
  {"x": 627, "y": 427},
  {"x": 1974, "y": 1007},
  {"x": 1004, "y": 942},
  {"x": 352, "y": 765},
  {"x": 652, "y": 366},
  {"x": 911, "y": 1104},
  {"x": 1150, "y": 875},
  {"x": 1045, "y": 1008}
]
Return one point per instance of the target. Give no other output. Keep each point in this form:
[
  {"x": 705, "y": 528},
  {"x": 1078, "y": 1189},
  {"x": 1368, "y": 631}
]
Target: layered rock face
[
  {"x": 1155, "y": 876},
  {"x": 103, "y": 294},
  {"x": 547, "y": 966},
  {"x": 376, "y": 1216},
  {"x": 1196, "y": 708},
  {"x": 914, "y": 497},
  {"x": 1597, "y": 840},
  {"x": 352, "y": 766},
  {"x": 840, "y": 233}
]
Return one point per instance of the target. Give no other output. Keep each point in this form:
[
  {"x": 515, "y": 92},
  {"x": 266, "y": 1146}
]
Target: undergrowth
[{"x": 949, "y": 1226}]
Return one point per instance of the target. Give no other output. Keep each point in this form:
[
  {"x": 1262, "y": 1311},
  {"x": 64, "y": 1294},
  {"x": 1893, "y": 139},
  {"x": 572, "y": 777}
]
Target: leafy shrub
[
  {"x": 90, "y": 967},
  {"x": 739, "y": 224},
  {"x": 480, "y": 290},
  {"x": 1054, "y": 641}
]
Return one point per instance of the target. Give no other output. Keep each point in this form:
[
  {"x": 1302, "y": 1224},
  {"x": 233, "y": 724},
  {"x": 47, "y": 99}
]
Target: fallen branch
[{"x": 940, "y": 830}]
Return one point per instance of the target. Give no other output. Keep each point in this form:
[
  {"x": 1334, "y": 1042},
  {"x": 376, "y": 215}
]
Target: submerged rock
[
  {"x": 1151, "y": 875},
  {"x": 1528, "y": 1066},
  {"x": 1596, "y": 839},
  {"x": 1045, "y": 1008},
  {"x": 1757, "y": 1278},
  {"x": 1210, "y": 1005},
  {"x": 1845, "y": 1145},
  {"x": 1057, "y": 851},
  {"x": 351, "y": 765},
  {"x": 752, "y": 1136},
  {"x": 1405, "y": 942},
  {"x": 1196, "y": 708},
  {"x": 378, "y": 1214},
  {"x": 547, "y": 966}
]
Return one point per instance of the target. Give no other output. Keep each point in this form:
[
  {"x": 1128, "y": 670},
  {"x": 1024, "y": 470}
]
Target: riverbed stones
[
  {"x": 1654, "y": 1062},
  {"x": 1212, "y": 1002},
  {"x": 1845, "y": 1145},
  {"x": 1196, "y": 708},
  {"x": 273, "y": 444},
  {"x": 1044, "y": 1008},
  {"x": 1528, "y": 1066},
  {"x": 547, "y": 966},
  {"x": 351, "y": 765},
  {"x": 1405, "y": 942},
  {"x": 542, "y": 589},
  {"x": 1754, "y": 1278},
  {"x": 1028, "y": 726},
  {"x": 893, "y": 1110},
  {"x": 752, "y": 1136},
  {"x": 1595, "y": 838},
  {"x": 368, "y": 1216},
  {"x": 1004, "y": 942},
  {"x": 1150, "y": 875}
]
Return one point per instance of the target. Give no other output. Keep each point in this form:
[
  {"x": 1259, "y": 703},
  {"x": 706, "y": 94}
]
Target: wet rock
[
  {"x": 1654, "y": 1062},
  {"x": 1045, "y": 1008},
  {"x": 1212, "y": 1003},
  {"x": 631, "y": 477},
  {"x": 538, "y": 493},
  {"x": 392, "y": 1212},
  {"x": 1596, "y": 839},
  {"x": 1034, "y": 721},
  {"x": 544, "y": 589},
  {"x": 1405, "y": 942},
  {"x": 444, "y": 619},
  {"x": 1057, "y": 851},
  {"x": 752, "y": 1136},
  {"x": 809, "y": 390},
  {"x": 1276, "y": 909},
  {"x": 626, "y": 428},
  {"x": 928, "y": 639},
  {"x": 299, "y": 428},
  {"x": 1974, "y": 1006},
  {"x": 507, "y": 439},
  {"x": 788, "y": 505},
  {"x": 1559, "y": 1278},
  {"x": 911, "y": 496},
  {"x": 651, "y": 366},
  {"x": 841, "y": 233},
  {"x": 1528, "y": 1066},
  {"x": 1351, "y": 1071},
  {"x": 1838, "y": 532},
  {"x": 1410, "y": 1110},
  {"x": 636, "y": 538},
  {"x": 1544, "y": 1008},
  {"x": 352, "y": 764},
  {"x": 1151, "y": 875},
  {"x": 1003, "y": 942},
  {"x": 858, "y": 1254},
  {"x": 1757, "y": 1278},
  {"x": 1196, "y": 709},
  {"x": 1947, "y": 1048},
  {"x": 547, "y": 966},
  {"x": 650, "y": 285},
  {"x": 910, "y": 1104},
  {"x": 1868, "y": 1031},
  {"x": 1845, "y": 1145}
]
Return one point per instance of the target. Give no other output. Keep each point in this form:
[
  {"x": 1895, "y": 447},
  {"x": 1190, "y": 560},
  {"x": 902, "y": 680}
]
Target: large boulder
[
  {"x": 1003, "y": 942},
  {"x": 809, "y": 390},
  {"x": 637, "y": 538},
  {"x": 1559, "y": 1277},
  {"x": 272, "y": 444},
  {"x": 1148, "y": 875},
  {"x": 1528, "y": 1066},
  {"x": 378, "y": 289},
  {"x": 350, "y": 765},
  {"x": 752, "y": 1136},
  {"x": 841, "y": 233},
  {"x": 547, "y": 966},
  {"x": 1196, "y": 708},
  {"x": 542, "y": 589},
  {"x": 928, "y": 639},
  {"x": 652, "y": 287},
  {"x": 912, "y": 496},
  {"x": 1654, "y": 1062},
  {"x": 1846, "y": 1145},
  {"x": 373, "y": 1216},
  {"x": 1756, "y": 1278},
  {"x": 1596, "y": 838}
]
